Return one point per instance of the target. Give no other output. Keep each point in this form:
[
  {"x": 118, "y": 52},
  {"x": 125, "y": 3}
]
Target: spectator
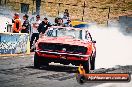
[
  {"x": 16, "y": 23},
  {"x": 56, "y": 20},
  {"x": 67, "y": 24},
  {"x": 26, "y": 24},
  {"x": 59, "y": 22},
  {"x": 35, "y": 33},
  {"x": 43, "y": 26},
  {"x": 66, "y": 14}
]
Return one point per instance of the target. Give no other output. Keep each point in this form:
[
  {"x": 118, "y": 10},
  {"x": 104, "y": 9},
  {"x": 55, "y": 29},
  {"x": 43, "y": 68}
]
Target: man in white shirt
[{"x": 35, "y": 33}]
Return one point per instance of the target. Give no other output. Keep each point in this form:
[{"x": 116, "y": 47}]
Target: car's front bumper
[{"x": 58, "y": 55}]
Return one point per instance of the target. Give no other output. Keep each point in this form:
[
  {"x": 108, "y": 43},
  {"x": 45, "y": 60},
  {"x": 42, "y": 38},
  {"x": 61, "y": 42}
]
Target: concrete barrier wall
[{"x": 14, "y": 43}]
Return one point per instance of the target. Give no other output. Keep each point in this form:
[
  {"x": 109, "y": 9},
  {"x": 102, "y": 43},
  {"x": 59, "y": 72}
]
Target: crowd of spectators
[{"x": 38, "y": 26}]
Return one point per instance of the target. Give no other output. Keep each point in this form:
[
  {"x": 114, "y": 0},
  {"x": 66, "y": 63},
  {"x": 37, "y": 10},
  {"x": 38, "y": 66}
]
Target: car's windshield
[{"x": 63, "y": 32}]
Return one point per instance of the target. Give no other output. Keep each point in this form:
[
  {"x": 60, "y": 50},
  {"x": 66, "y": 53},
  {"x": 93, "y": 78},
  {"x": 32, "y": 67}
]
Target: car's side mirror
[{"x": 94, "y": 41}]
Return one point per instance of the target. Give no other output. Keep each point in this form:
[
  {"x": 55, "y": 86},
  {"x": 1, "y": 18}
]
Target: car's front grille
[{"x": 62, "y": 48}]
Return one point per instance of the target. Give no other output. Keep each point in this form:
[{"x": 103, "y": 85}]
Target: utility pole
[
  {"x": 84, "y": 6},
  {"x": 108, "y": 16},
  {"x": 59, "y": 7}
]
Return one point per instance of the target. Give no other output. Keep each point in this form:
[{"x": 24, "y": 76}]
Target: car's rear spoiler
[{"x": 79, "y": 55}]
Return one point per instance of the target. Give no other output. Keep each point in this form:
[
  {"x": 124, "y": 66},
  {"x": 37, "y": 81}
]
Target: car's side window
[
  {"x": 52, "y": 33},
  {"x": 87, "y": 36}
]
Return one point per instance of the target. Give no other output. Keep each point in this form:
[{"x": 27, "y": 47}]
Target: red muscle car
[{"x": 66, "y": 45}]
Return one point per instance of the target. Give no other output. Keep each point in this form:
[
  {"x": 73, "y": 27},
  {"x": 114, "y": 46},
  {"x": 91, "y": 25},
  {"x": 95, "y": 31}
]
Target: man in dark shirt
[
  {"x": 26, "y": 24},
  {"x": 43, "y": 26}
]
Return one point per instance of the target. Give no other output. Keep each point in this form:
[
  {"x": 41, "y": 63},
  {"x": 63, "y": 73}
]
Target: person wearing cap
[
  {"x": 35, "y": 33},
  {"x": 68, "y": 23},
  {"x": 43, "y": 26},
  {"x": 26, "y": 24},
  {"x": 16, "y": 23},
  {"x": 66, "y": 14}
]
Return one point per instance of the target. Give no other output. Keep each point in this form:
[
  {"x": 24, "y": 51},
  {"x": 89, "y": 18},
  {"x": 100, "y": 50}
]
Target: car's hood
[{"x": 64, "y": 40}]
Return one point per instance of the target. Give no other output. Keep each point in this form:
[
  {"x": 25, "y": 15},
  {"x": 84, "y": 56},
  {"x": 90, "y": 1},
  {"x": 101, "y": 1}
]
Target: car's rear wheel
[
  {"x": 37, "y": 62},
  {"x": 86, "y": 66}
]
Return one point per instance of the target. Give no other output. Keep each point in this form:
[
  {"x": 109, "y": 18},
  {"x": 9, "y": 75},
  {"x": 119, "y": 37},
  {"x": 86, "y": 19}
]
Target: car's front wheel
[
  {"x": 37, "y": 62},
  {"x": 45, "y": 62},
  {"x": 80, "y": 78},
  {"x": 92, "y": 61},
  {"x": 86, "y": 66}
]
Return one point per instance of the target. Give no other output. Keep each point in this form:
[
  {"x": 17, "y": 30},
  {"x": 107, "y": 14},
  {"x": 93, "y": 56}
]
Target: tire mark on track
[
  {"x": 58, "y": 76},
  {"x": 22, "y": 71}
]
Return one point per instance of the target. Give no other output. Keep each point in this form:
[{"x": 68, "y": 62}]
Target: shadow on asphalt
[{"x": 57, "y": 68}]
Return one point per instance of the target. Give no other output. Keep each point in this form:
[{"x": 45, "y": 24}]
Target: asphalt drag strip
[{"x": 19, "y": 72}]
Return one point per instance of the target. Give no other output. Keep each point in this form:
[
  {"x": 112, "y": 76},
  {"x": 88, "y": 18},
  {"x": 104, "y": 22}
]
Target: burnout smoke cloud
[{"x": 113, "y": 47}]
